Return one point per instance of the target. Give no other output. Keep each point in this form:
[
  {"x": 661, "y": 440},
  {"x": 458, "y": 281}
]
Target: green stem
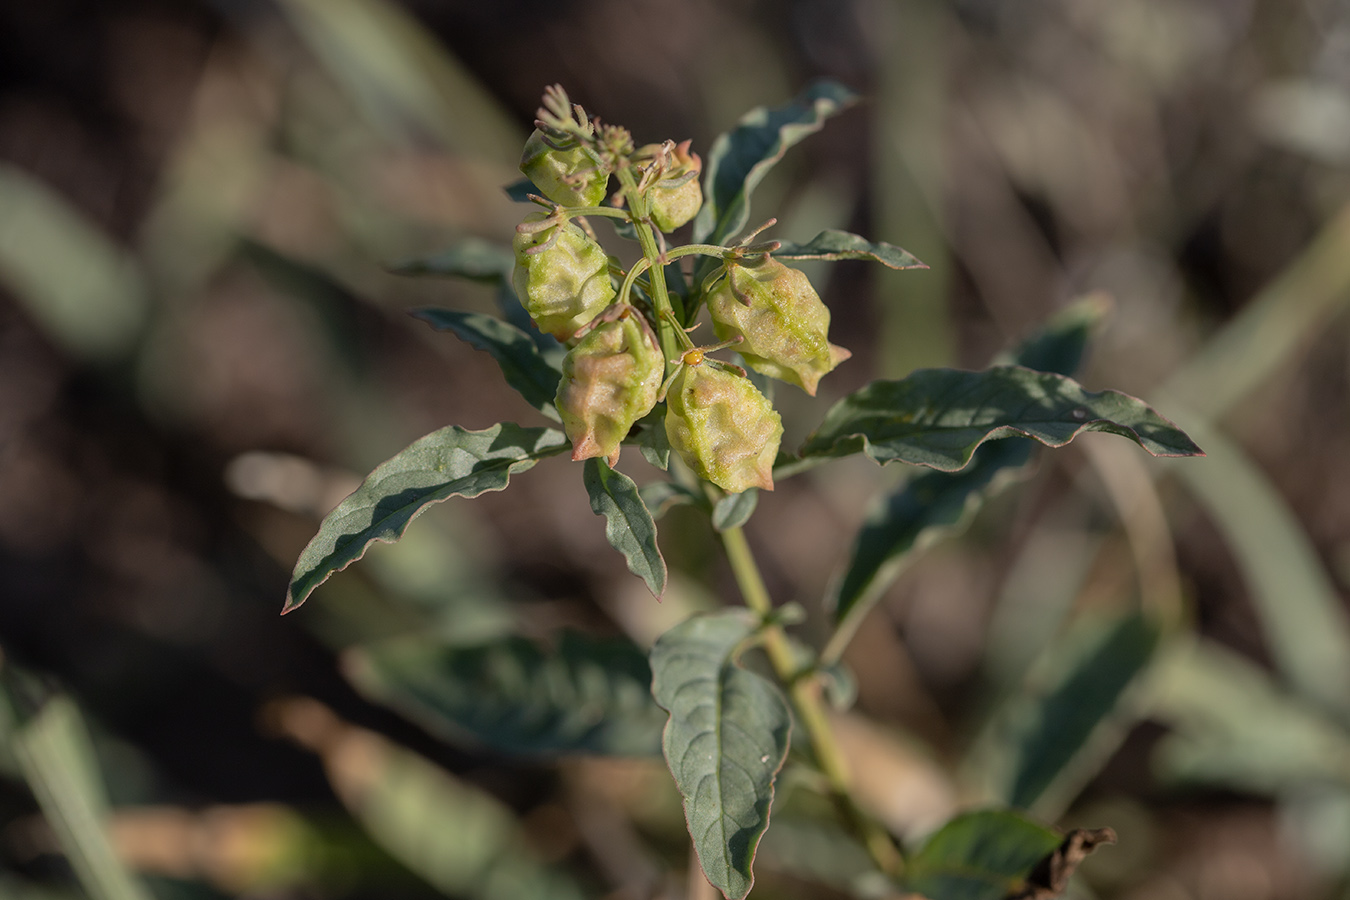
[
  {"x": 639, "y": 210},
  {"x": 806, "y": 700}
]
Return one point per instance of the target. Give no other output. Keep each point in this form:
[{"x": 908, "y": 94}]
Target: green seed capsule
[
  {"x": 610, "y": 380},
  {"x": 562, "y": 286},
  {"x": 567, "y": 177},
  {"x": 781, "y": 318},
  {"x": 723, "y": 428},
  {"x": 677, "y": 196}
]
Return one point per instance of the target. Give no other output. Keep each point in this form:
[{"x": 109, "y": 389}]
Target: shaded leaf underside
[
  {"x": 586, "y": 695},
  {"x": 938, "y": 417}
]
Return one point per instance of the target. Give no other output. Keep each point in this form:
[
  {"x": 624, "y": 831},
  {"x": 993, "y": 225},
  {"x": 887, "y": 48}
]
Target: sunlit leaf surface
[
  {"x": 629, "y": 526},
  {"x": 725, "y": 742},
  {"x": 452, "y": 462}
]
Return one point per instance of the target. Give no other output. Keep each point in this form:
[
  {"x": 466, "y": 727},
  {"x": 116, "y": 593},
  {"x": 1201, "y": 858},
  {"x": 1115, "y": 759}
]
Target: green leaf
[
  {"x": 930, "y": 507},
  {"x": 937, "y": 417},
  {"x": 452, "y": 462},
  {"x": 654, "y": 443},
  {"x": 523, "y": 366},
  {"x": 86, "y": 293},
  {"x": 734, "y": 510},
  {"x": 834, "y": 244},
  {"x": 1232, "y": 725},
  {"x": 472, "y": 258},
  {"x": 994, "y": 855},
  {"x": 586, "y": 695},
  {"x": 934, "y": 505},
  {"x": 660, "y": 496},
  {"x": 1045, "y": 729},
  {"x": 521, "y": 190},
  {"x": 726, "y": 740},
  {"x": 629, "y": 527},
  {"x": 55, "y": 755},
  {"x": 740, "y": 158}
]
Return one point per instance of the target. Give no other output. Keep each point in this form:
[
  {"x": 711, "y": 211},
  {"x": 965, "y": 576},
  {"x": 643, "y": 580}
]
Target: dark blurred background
[{"x": 202, "y": 349}]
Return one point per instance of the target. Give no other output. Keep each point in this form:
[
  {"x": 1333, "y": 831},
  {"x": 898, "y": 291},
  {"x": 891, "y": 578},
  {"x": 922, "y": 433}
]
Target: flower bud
[
  {"x": 609, "y": 380},
  {"x": 562, "y": 286},
  {"x": 781, "y": 318},
  {"x": 676, "y": 195},
  {"x": 567, "y": 177},
  {"x": 723, "y": 428}
]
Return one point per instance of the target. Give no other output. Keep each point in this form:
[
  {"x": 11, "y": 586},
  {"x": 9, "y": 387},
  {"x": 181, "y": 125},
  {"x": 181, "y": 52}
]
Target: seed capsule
[
  {"x": 567, "y": 177},
  {"x": 782, "y": 319},
  {"x": 676, "y": 196},
  {"x": 723, "y": 428},
  {"x": 610, "y": 380},
  {"x": 562, "y": 286}
]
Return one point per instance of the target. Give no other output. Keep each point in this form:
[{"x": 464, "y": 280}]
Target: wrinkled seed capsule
[
  {"x": 609, "y": 380},
  {"x": 564, "y": 286},
  {"x": 784, "y": 323},
  {"x": 677, "y": 196},
  {"x": 723, "y": 428},
  {"x": 567, "y": 177}
]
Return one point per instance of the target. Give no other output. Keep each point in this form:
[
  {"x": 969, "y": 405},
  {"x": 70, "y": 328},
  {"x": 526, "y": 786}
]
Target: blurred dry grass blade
[
  {"x": 86, "y": 293},
  {"x": 461, "y": 840},
  {"x": 1301, "y": 614},
  {"x": 402, "y": 77}
]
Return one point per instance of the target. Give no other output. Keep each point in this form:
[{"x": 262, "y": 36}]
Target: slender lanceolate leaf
[
  {"x": 1044, "y": 730},
  {"x": 734, "y": 510},
  {"x": 629, "y": 526},
  {"x": 834, "y": 244},
  {"x": 998, "y": 855},
  {"x": 452, "y": 462},
  {"x": 55, "y": 756},
  {"x": 726, "y": 740},
  {"x": 933, "y": 505},
  {"x": 741, "y": 158},
  {"x": 937, "y": 417},
  {"x": 584, "y": 695},
  {"x": 930, "y": 507},
  {"x": 1230, "y": 724},
  {"x": 86, "y": 294},
  {"x": 472, "y": 258},
  {"x": 523, "y": 366}
]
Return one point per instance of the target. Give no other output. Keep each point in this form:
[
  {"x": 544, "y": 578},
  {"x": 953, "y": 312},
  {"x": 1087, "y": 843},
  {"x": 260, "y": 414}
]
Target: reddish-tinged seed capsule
[
  {"x": 610, "y": 380},
  {"x": 723, "y": 428}
]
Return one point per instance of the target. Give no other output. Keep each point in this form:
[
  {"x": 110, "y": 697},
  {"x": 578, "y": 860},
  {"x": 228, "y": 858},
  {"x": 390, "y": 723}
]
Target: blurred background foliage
[{"x": 202, "y": 348}]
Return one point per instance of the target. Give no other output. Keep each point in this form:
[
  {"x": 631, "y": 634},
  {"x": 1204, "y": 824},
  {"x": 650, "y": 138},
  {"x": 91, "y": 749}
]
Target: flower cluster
[{"x": 628, "y": 349}]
